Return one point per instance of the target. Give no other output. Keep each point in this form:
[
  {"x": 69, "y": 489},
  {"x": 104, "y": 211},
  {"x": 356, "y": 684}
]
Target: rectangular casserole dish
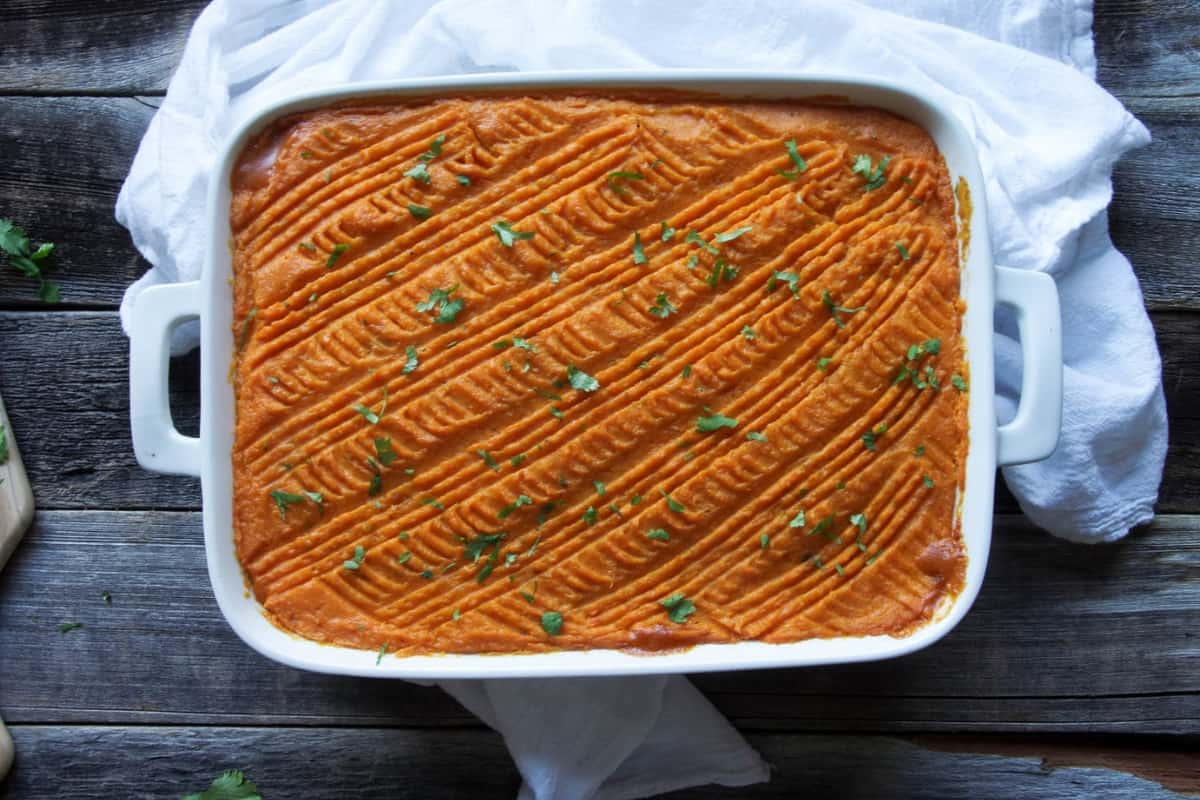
[{"x": 1031, "y": 435}]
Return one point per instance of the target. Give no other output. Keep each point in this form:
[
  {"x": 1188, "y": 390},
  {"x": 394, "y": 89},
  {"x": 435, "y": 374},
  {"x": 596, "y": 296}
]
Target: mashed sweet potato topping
[{"x": 527, "y": 373}]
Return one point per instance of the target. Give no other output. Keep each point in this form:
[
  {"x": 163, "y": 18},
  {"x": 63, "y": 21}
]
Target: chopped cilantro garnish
[
  {"x": 384, "y": 451},
  {"x": 874, "y": 177},
  {"x": 404, "y": 557},
  {"x": 456, "y": 615},
  {"x": 678, "y": 607},
  {"x": 928, "y": 481},
  {"x": 284, "y": 499},
  {"x": 355, "y": 561},
  {"x": 432, "y": 501},
  {"x": 872, "y": 559},
  {"x": 692, "y": 261},
  {"x": 715, "y": 422},
  {"x": 613, "y": 177},
  {"x": 729, "y": 236},
  {"x": 419, "y": 172},
  {"x": 834, "y": 309},
  {"x": 230, "y": 785},
  {"x": 420, "y": 212},
  {"x": 554, "y": 278},
  {"x": 749, "y": 333},
  {"x": 822, "y": 528},
  {"x": 721, "y": 271},
  {"x": 668, "y": 233},
  {"x": 27, "y": 260},
  {"x": 672, "y": 503},
  {"x": 797, "y": 159},
  {"x": 903, "y": 250},
  {"x": 335, "y": 254},
  {"x": 580, "y": 380},
  {"x": 554, "y": 412},
  {"x": 507, "y": 235},
  {"x": 435, "y": 148},
  {"x": 790, "y": 278},
  {"x": 552, "y": 622},
  {"x": 463, "y": 179},
  {"x": 839, "y": 569},
  {"x": 447, "y": 309},
  {"x": 522, "y": 500},
  {"x": 823, "y": 362},
  {"x": 599, "y": 487},
  {"x": 427, "y": 574},
  {"x": 695, "y": 238},
  {"x": 920, "y": 451},
  {"x": 376, "y": 484},
  {"x": 687, "y": 371},
  {"x": 517, "y": 459},
  {"x": 589, "y": 516},
  {"x": 755, "y": 436},
  {"x": 639, "y": 255},
  {"x": 658, "y": 535},
  {"x": 369, "y": 415},
  {"x": 859, "y": 521},
  {"x": 798, "y": 520},
  {"x": 410, "y": 360},
  {"x": 523, "y": 344},
  {"x": 870, "y": 436},
  {"x": 475, "y": 548},
  {"x": 383, "y": 648},
  {"x": 764, "y": 541},
  {"x": 958, "y": 383},
  {"x": 662, "y": 306},
  {"x": 487, "y": 459},
  {"x": 308, "y": 246}
]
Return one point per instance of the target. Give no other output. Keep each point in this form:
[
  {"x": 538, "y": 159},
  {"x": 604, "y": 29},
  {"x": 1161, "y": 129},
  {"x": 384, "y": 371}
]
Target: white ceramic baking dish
[{"x": 1030, "y": 436}]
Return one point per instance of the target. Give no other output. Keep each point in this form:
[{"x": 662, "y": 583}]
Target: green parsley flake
[
  {"x": 870, "y": 436},
  {"x": 599, "y": 487},
  {"x": 903, "y": 250},
  {"x": 507, "y": 235},
  {"x": 764, "y": 541},
  {"x": 658, "y": 535},
  {"x": 687, "y": 371},
  {"x": 410, "y": 360},
  {"x": 487, "y": 459},
  {"x": 516, "y": 460},
  {"x": 420, "y": 212},
  {"x": 678, "y": 607},
  {"x": 580, "y": 380},
  {"x": 834, "y": 309},
  {"x": 404, "y": 557},
  {"x": 798, "y": 520},
  {"x": 384, "y": 451},
  {"x": 383, "y": 648},
  {"x": 874, "y": 177},
  {"x": 749, "y": 333},
  {"x": 552, "y": 622},
  {"x": 523, "y": 344},
  {"x": 822, "y": 528},
  {"x": 859, "y": 521},
  {"x": 733, "y": 234},
  {"x": 920, "y": 451},
  {"x": 928, "y": 481},
  {"x": 823, "y": 362},
  {"x": 554, "y": 278},
  {"x": 797, "y": 159},
  {"x": 790, "y": 278},
  {"x": 432, "y": 501},
  {"x": 356, "y": 560},
  {"x": 447, "y": 309},
  {"x": 755, "y": 436},
  {"x": 308, "y": 246},
  {"x": 639, "y": 255},
  {"x": 839, "y": 569},
  {"x": 589, "y": 516},
  {"x": 475, "y": 548},
  {"x": 463, "y": 179},
  {"x": 694, "y": 237},
  {"x": 673, "y": 504},
  {"x": 662, "y": 306},
  {"x": 554, "y": 412},
  {"x": 419, "y": 172},
  {"x": 284, "y": 499},
  {"x": 613, "y": 177},
  {"x": 958, "y": 383},
  {"x": 522, "y": 500},
  {"x": 456, "y": 616},
  {"x": 715, "y": 422},
  {"x": 668, "y": 233}
]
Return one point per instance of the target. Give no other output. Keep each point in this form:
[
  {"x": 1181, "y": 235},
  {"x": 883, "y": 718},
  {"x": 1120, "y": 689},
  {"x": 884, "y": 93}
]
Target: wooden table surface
[{"x": 1077, "y": 674}]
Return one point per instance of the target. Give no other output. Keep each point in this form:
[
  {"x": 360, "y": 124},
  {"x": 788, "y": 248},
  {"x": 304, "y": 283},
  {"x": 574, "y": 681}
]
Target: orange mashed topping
[{"x": 518, "y": 374}]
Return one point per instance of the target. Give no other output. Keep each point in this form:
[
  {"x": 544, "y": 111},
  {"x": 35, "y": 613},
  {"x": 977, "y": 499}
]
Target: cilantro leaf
[
  {"x": 589, "y": 516},
  {"x": 410, "y": 360},
  {"x": 613, "y": 177},
  {"x": 790, "y": 278},
  {"x": 420, "y": 212},
  {"x": 928, "y": 481},
  {"x": 552, "y": 622},
  {"x": 668, "y": 233},
  {"x": 447, "y": 309},
  {"x": 230, "y": 785},
  {"x": 900, "y": 246},
  {"x": 522, "y": 500},
  {"x": 798, "y": 520},
  {"x": 639, "y": 255},
  {"x": 507, "y": 235},
  {"x": 463, "y": 180},
  {"x": 733, "y": 234},
  {"x": 475, "y": 548},
  {"x": 335, "y": 254},
  {"x": 284, "y": 499},
  {"x": 419, "y": 172},
  {"x": 870, "y": 436},
  {"x": 794, "y": 154},
  {"x": 487, "y": 459},
  {"x": 958, "y": 383},
  {"x": 581, "y": 380},
  {"x": 823, "y": 362},
  {"x": 355, "y": 561},
  {"x": 26, "y": 260},
  {"x": 678, "y": 607},
  {"x": 764, "y": 541},
  {"x": 834, "y": 309},
  {"x": 672, "y": 503},
  {"x": 874, "y": 177},
  {"x": 859, "y": 521},
  {"x": 662, "y": 306},
  {"x": 658, "y": 535},
  {"x": 755, "y": 436},
  {"x": 749, "y": 333},
  {"x": 715, "y": 422},
  {"x": 384, "y": 451},
  {"x": 695, "y": 238},
  {"x": 367, "y": 414},
  {"x": 599, "y": 487}
]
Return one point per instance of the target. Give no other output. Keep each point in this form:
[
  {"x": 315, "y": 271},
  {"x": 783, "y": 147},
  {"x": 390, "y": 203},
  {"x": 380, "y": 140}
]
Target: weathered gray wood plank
[
  {"x": 1062, "y": 638},
  {"x": 90, "y": 46},
  {"x": 1148, "y": 48},
  {"x": 83, "y": 457},
  {"x": 101, "y": 762}
]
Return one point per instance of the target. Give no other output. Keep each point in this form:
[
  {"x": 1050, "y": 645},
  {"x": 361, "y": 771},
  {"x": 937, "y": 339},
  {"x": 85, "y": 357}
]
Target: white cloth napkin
[{"x": 1018, "y": 74}]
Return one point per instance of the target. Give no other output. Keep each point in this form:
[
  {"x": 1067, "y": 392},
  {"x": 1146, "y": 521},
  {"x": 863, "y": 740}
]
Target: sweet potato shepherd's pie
[{"x": 516, "y": 374}]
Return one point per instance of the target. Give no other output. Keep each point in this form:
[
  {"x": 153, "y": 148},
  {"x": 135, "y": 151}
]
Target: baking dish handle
[
  {"x": 1033, "y": 433},
  {"x": 156, "y": 443}
]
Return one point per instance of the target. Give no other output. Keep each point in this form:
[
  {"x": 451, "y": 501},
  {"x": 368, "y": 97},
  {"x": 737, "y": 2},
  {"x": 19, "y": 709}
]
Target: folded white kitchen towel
[{"x": 1017, "y": 73}]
